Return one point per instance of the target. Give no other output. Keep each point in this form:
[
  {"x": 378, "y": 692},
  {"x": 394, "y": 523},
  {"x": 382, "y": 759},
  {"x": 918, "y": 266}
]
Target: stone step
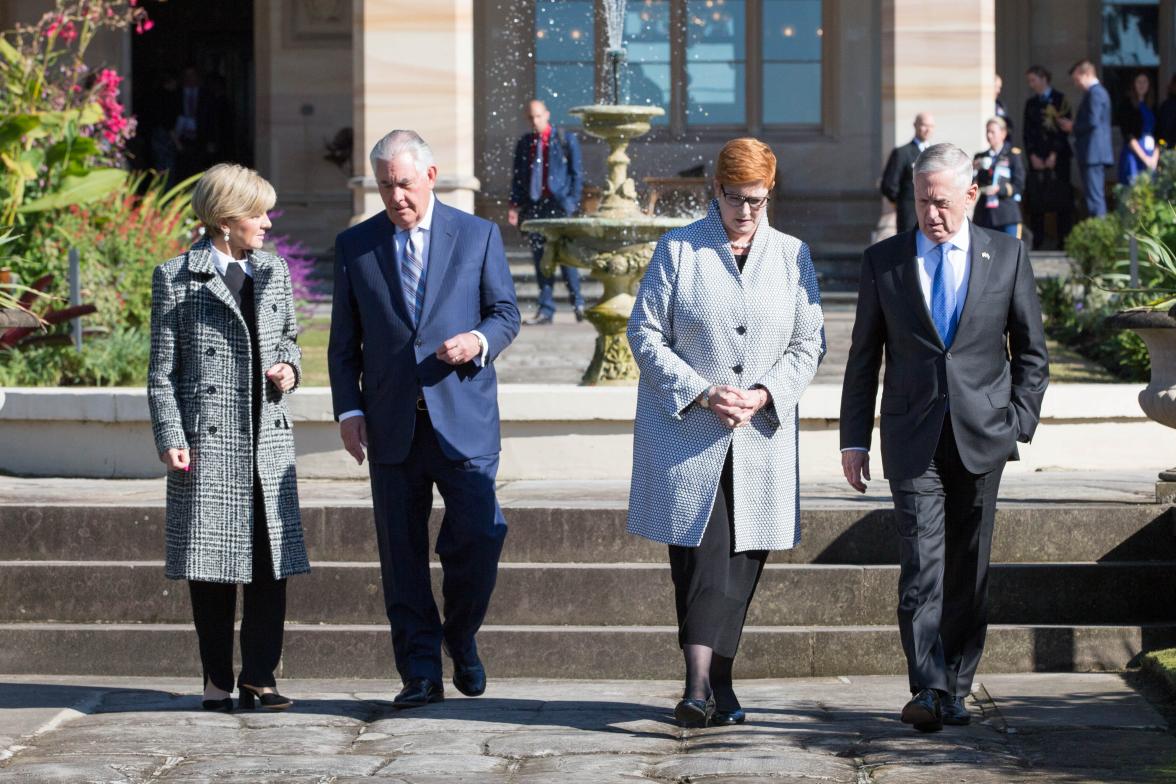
[
  {"x": 554, "y": 533},
  {"x": 585, "y": 652},
  {"x": 625, "y": 594}
]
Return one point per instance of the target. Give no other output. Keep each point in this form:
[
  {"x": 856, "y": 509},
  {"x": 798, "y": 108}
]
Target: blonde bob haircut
[
  {"x": 746, "y": 160},
  {"x": 231, "y": 192}
]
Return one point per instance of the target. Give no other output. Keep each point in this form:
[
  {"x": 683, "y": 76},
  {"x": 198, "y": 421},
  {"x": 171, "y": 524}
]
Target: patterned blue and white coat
[{"x": 698, "y": 321}]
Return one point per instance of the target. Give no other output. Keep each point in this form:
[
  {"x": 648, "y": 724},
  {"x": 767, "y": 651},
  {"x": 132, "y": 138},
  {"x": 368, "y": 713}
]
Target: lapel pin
[{"x": 984, "y": 255}]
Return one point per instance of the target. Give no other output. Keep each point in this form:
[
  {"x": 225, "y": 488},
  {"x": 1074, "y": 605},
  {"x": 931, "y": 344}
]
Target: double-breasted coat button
[
  {"x": 275, "y": 307},
  {"x": 211, "y": 352},
  {"x": 738, "y": 368},
  {"x": 741, "y": 329},
  {"x": 212, "y": 390},
  {"x": 212, "y": 430},
  {"x": 277, "y": 423}
]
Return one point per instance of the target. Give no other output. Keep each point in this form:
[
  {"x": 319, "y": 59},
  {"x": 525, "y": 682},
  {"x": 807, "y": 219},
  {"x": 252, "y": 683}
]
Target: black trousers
[
  {"x": 470, "y": 541},
  {"x": 713, "y": 585},
  {"x": 944, "y": 520},
  {"x": 214, "y": 607}
]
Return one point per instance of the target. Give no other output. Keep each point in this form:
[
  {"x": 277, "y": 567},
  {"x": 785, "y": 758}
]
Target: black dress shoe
[
  {"x": 723, "y": 718},
  {"x": 579, "y": 311},
  {"x": 924, "y": 711},
  {"x": 418, "y": 692},
  {"x": 271, "y": 700},
  {"x": 470, "y": 679},
  {"x": 695, "y": 713},
  {"x": 224, "y": 706},
  {"x": 955, "y": 712},
  {"x": 538, "y": 320}
]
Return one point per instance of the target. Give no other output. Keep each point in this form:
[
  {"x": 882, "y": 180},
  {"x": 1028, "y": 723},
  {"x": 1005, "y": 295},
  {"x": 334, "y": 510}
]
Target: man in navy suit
[
  {"x": 547, "y": 182},
  {"x": 1092, "y": 136},
  {"x": 423, "y": 303}
]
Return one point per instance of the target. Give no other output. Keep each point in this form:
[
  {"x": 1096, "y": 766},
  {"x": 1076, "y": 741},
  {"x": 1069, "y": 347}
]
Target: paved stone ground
[{"x": 1028, "y": 728}]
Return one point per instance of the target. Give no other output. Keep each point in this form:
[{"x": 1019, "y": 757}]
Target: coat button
[
  {"x": 212, "y": 390},
  {"x": 212, "y": 430},
  {"x": 275, "y": 307},
  {"x": 738, "y": 368},
  {"x": 949, "y": 355},
  {"x": 211, "y": 352},
  {"x": 277, "y": 423},
  {"x": 741, "y": 329}
]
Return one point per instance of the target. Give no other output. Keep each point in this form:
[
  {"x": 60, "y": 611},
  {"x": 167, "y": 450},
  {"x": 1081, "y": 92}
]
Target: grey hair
[
  {"x": 945, "y": 157},
  {"x": 397, "y": 142}
]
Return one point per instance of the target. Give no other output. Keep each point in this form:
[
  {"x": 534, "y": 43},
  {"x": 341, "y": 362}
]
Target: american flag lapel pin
[{"x": 984, "y": 255}]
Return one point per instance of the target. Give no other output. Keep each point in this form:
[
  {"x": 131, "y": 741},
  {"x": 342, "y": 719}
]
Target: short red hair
[{"x": 746, "y": 160}]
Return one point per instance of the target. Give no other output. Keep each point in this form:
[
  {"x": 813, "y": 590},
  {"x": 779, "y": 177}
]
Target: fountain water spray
[{"x": 614, "y": 25}]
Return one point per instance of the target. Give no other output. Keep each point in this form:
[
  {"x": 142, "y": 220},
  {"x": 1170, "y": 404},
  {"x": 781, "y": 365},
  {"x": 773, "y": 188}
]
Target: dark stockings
[
  {"x": 721, "y": 683},
  {"x": 698, "y": 671}
]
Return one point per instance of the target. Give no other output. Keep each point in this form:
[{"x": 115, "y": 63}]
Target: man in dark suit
[
  {"x": 1048, "y": 186},
  {"x": 897, "y": 185},
  {"x": 423, "y": 303},
  {"x": 1092, "y": 136},
  {"x": 954, "y": 310},
  {"x": 547, "y": 182}
]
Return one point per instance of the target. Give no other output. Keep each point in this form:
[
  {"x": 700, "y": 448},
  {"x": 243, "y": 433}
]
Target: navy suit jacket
[
  {"x": 565, "y": 174},
  {"x": 1092, "y": 128},
  {"x": 380, "y": 363}
]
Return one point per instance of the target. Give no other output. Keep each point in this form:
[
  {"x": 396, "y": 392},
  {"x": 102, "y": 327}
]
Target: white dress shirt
[
  {"x": 959, "y": 269},
  {"x": 423, "y": 232},
  {"x": 222, "y": 260}
]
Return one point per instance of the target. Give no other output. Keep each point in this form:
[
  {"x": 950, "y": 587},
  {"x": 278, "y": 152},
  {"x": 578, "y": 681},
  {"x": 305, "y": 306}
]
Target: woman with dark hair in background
[{"x": 1140, "y": 152}]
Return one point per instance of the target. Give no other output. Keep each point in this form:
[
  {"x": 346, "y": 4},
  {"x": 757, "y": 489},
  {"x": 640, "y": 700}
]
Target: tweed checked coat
[
  {"x": 698, "y": 321},
  {"x": 199, "y": 387}
]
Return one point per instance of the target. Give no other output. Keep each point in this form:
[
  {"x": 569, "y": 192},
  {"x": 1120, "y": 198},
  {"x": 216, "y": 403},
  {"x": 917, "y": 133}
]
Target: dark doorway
[{"x": 193, "y": 86}]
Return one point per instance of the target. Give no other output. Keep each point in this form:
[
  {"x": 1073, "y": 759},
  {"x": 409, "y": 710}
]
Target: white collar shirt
[
  {"x": 958, "y": 261},
  {"x": 420, "y": 238},
  {"x": 222, "y": 260}
]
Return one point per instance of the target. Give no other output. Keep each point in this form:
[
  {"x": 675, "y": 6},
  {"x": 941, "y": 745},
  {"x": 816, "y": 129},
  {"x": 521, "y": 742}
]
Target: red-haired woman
[{"x": 728, "y": 331}]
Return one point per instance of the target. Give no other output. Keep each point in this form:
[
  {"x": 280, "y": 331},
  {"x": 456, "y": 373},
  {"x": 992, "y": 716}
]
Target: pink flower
[{"x": 69, "y": 32}]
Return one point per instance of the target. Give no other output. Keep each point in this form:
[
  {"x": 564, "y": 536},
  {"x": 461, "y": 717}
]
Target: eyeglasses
[{"x": 737, "y": 200}]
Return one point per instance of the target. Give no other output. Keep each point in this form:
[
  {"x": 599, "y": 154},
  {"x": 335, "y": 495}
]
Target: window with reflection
[
  {"x": 565, "y": 55},
  {"x": 1130, "y": 45},
  {"x": 647, "y": 41},
  {"x": 716, "y": 62},
  {"x": 791, "y": 34}
]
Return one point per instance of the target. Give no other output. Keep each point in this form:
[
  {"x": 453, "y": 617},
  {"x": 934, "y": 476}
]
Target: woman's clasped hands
[{"x": 734, "y": 406}]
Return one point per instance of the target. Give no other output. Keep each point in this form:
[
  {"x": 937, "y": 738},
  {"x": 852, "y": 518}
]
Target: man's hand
[
  {"x": 1066, "y": 124},
  {"x": 459, "y": 349},
  {"x": 1052, "y": 161},
  {"x": 1037, "y": 162},
  {"x": 353, "y": 431},
  {"x": 176, "y": 460},
  {"x": 512, "y": 216},
  {"x": 855, "y": 464},
  {"x": 281, "y": 376}
]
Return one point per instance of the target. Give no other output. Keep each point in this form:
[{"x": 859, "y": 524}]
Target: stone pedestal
[
  {"x": 938, "y": 58},
  {"x": 414, "y": 69}
]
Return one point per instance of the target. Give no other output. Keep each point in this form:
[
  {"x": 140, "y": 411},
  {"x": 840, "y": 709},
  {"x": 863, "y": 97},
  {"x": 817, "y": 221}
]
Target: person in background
[
  {"x": 1000, "y": 175},
  {"x": 547, "y": 182},
  {"x": 1140, "y": 153},
  {"x": 1047, "y": 184},
  {"x": 1166, "y": 117},
  {"x": 998, "y": 107},
  {"x": 897, "y": 183},
  {"x": 1092, "y": 136}
]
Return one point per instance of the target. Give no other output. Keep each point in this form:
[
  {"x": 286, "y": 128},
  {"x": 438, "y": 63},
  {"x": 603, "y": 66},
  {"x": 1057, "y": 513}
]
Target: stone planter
[{"x": 1158, "y": 400}]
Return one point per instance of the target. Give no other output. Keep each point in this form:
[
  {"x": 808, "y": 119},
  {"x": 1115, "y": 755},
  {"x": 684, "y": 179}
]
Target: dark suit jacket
[
  {"x": 379, "y": 363},
  {"x": 565, "y": 174},
  {"x": 994, "y": 375},
  {"x": 898, "y": 184},
  {"x": 1041, "y": 134},
  {"x": 1092, "y": 128}
]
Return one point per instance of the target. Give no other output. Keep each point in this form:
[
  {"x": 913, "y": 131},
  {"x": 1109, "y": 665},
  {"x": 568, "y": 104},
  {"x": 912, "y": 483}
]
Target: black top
[
  {"x": 240, "y": 286},
  {"x": 741, "y": 259}
]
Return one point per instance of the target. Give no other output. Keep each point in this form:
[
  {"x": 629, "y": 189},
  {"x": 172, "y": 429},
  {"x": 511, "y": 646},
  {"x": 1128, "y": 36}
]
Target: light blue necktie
[
  {"x": 412, "y": 276},
  {"x": 943, "y": 297}
]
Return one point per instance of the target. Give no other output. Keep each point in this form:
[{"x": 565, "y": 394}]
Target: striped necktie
[
  {"x": 943, "y": 297},
  {"x": 412, "y": 275}
]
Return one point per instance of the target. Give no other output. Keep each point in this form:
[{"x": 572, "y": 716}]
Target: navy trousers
[
  {"x": 1094, "y": 180},
  {"x": 468, "y": 546},
  {"x": 548, "y": 208}
]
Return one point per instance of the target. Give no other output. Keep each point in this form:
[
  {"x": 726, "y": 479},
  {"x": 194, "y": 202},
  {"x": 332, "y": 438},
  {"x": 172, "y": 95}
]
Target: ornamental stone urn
[
  {"x": 614, "y": 243},
  {"x": 1158, "y": 331}
]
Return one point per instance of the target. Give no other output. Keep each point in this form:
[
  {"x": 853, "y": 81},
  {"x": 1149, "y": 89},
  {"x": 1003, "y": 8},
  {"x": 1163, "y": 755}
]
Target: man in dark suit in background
[
  {"x": 547, "y": 182},
  {"x": 897, "y": 185},
  {"x": 1092, "y": 136},
  {"x": 1048, "y": 187},
  {"x": 954, "y": 310},
  {"x": 423, "y": 303}
]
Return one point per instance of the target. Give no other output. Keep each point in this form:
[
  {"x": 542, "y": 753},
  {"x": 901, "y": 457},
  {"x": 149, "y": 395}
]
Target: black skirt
[{"x": 713, "y": 586}]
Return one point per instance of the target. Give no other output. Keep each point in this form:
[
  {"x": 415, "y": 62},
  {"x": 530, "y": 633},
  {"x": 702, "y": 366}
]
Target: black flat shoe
[
  {"x": 695, "y": 713},
  {"x": 924, "y": 711},
  {"x": 224, "y": 706},
  {"x": 470, "y": 679},
  {"x": 250, "y": 695},
  {"x": 418, "y": 692},
  {"x": 727, "y": 718},
  {"x": 955, "y": 713}
]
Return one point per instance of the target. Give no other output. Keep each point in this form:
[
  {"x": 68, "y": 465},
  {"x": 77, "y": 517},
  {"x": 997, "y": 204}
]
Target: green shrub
[
  {"x": 1096, "y": 244},
  {"x": 118, "y": 359}
]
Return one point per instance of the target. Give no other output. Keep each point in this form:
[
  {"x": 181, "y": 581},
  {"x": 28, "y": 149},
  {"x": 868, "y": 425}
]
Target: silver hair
[
  {"x": 398, "y": 142},
  {"x": 945, "y": 157}
]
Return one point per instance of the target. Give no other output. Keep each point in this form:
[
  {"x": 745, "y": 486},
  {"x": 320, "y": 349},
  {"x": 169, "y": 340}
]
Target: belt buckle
[{"x": 420, "y": 404}]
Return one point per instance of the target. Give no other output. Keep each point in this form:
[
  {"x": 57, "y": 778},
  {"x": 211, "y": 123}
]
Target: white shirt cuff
[
  {"x": 349, "y": 414},
  {"x": 480, "y": 361},
  {"x": 847, "y": 449}
]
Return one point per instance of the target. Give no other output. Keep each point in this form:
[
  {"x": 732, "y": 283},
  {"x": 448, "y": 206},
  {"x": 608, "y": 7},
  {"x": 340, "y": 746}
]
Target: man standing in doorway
[
  {"x": 547, "y": 183},
  {"x": 897, "y": 185},
  {"x": 1092, "y": 136}
]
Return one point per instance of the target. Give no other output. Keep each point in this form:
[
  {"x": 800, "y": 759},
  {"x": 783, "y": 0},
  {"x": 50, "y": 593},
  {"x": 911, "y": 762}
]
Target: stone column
[
  {"x": 414, "y": 69},
  {"x": 937, "y": 57}
]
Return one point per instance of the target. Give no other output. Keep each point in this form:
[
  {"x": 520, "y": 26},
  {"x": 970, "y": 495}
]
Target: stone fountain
[{"x": 616, "y": 242}]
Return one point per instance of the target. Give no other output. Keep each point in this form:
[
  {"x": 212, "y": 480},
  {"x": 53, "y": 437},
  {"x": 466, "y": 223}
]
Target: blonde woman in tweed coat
[
  {"x": 223, "y": 359},
  {"x": 727, "y": 330}
]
